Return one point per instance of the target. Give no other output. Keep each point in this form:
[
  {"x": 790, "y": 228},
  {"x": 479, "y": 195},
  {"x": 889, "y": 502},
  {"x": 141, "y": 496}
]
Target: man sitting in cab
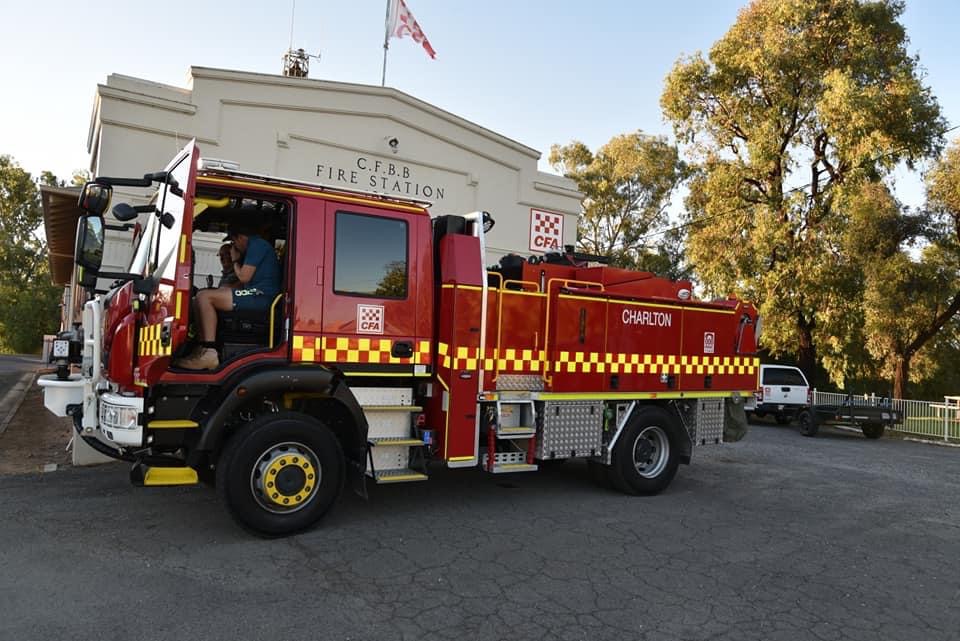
[{"x": 258, "y": 282}]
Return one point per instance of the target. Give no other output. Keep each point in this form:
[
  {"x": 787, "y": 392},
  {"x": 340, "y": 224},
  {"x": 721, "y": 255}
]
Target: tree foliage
[
  {"x": 796, "y": 107},
  {"x": 30, "y": 300},
  {"x": 626, "y": 188}
]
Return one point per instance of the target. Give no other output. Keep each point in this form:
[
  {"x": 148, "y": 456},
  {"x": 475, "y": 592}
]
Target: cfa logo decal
[
  {"x": 709, "y": 342},
  {"x": 369, "y": 319},
  {"x": 546, "y": 231}
]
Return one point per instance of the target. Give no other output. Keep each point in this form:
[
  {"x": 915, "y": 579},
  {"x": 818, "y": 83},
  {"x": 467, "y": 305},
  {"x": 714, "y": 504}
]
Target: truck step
[
  {"x": 520, "y": 431},
  {"x": 148, "y": 476},
  {"x": 504, "y": 462},
  {"x": 392, "y": 408},
  {"x": 386, "y": 441},
  {"x": 403, "y": 475},
  {"x": 505, "y": 468},
  {"x": 516, "y": 419}
]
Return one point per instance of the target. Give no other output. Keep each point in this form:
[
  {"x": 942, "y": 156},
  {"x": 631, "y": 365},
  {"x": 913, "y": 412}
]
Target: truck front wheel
[
  {"x": 280, "y": 473},
  {"x": 647, "y": 453}
]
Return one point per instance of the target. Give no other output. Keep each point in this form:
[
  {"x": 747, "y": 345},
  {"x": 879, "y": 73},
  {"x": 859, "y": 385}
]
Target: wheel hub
[
  {"x": 285, "y": 477},
  {"x": 651, "y": 451}
]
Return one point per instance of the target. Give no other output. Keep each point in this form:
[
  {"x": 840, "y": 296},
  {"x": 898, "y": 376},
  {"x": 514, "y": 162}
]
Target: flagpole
[{"x": 386, "y": 45}]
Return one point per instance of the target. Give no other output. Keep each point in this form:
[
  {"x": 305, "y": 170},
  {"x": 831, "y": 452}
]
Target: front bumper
[{"x": 115, "y": 418}]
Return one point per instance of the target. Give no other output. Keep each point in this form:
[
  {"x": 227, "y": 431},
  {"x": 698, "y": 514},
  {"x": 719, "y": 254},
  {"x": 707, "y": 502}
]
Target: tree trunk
[
  {"x": 806, "y": 350},
  {"x": 901, "y": 376}
]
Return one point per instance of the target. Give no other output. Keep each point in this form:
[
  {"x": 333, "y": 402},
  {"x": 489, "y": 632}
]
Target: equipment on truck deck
[{"x": 390, "y": 348}]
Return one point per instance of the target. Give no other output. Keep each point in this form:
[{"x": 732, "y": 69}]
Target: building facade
[{"x": 369, "y": 138}]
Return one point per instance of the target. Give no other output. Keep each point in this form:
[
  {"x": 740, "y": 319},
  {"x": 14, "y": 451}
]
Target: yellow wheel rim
[{"x": 285, "y": 477}]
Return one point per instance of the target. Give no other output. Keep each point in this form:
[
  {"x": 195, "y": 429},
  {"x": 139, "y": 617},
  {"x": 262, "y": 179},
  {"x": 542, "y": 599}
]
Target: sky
[{"x": 540, "y": 72}]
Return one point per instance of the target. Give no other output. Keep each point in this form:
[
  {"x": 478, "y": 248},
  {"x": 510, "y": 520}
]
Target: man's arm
[
  {"x": 246, "y": 267},
  {"x": 244, "y": 273}
]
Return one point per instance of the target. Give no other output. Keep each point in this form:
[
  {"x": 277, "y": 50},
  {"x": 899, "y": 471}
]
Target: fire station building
[{"x": 362, "y": 137}]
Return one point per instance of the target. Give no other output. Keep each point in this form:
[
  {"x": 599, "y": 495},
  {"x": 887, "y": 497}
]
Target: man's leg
[{"x": 208, "y": 301}]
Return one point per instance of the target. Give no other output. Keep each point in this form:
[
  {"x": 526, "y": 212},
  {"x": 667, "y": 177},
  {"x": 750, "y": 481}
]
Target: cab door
[
  {"x": 376, "y": 300},
  {"x": 164, "y": 324}
]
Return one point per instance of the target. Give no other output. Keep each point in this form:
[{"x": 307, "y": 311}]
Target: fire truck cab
[{"x": 390, "y": 348}]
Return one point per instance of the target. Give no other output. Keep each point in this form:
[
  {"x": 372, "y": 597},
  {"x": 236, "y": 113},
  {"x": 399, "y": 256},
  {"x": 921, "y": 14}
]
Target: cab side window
[{"x": 371, "y": 256}]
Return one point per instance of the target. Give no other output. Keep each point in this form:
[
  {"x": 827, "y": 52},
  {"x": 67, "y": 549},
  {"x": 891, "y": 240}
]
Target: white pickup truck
[{"x": 784, "y": 392}]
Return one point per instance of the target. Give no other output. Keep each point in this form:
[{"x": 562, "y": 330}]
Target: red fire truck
[{"x": 390, "y": 349}]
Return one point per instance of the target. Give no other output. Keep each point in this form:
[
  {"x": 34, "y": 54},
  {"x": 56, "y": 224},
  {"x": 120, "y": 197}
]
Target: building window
[{"x": 370, "y": 256}]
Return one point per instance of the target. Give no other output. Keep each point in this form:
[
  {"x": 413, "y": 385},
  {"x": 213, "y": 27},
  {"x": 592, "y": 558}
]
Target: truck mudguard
[{"x": 320, "y": 381}]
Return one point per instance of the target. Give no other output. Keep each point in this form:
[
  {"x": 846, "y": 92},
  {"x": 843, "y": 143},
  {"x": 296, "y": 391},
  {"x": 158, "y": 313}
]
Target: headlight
[{"x": 116, "y": 417}]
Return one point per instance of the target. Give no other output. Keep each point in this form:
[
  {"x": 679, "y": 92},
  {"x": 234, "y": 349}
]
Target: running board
[
  {"x": 146, "y": 476},
  {"x": 505, "y": 468},
  {"x": 504, "y": 462},
  {"x": 398, "y": 476},
  {"x": 384, "y": 441}
]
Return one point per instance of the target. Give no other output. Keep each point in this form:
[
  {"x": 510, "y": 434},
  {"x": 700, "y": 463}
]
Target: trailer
[
  {"x": 390, "y": 349},
  {"x": 871, "y": 419}
]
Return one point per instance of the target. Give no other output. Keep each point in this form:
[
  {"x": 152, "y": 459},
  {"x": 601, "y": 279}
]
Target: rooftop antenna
[{"x": 296, "y": 62}]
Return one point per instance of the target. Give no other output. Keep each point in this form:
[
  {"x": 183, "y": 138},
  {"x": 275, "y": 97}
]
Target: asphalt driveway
[{"x": 777, "y": 537}]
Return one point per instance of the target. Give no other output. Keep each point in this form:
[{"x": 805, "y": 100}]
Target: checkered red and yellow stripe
[
  {"x": 343, "y": 349},
  {"x": 507, "y": 360},
  {"x": 527, "y": 361},
  {"x": 150, "y": 343},
  {"x": 619, "y": 363}
]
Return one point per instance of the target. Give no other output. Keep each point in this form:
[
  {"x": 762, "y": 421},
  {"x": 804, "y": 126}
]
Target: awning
[{"x": 60, "y": 216}]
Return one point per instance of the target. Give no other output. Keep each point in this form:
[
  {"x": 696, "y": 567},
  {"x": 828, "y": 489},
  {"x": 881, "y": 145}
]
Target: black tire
[
  {"x": 808, "y": 423},
  {"x": 760, "y": 414},
  {"x": 783, "y": 419},
  {"x": 651, "y": 431},
  {"x": 274, "y": 442},
  {"x": 872, "y": 430}
]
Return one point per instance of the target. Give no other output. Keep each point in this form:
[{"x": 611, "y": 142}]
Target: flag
[{"x": 400, "y": 23}]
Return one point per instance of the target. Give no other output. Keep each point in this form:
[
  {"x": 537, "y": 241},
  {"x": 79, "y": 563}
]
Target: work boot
[{"x": 204, "y": 358}]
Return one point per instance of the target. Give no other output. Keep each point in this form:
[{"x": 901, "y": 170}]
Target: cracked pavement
[{"x": 778, "y": 537}]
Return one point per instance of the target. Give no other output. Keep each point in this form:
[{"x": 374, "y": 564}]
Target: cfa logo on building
[
  {"x": 546, "y": 231},
  {"x": 369, "y": 319}
]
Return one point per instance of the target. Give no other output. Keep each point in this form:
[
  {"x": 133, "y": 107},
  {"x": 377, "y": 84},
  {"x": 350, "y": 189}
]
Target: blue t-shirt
[{"x": 266, "y": 278}]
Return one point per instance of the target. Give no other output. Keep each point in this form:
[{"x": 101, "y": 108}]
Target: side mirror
[
  {"x": 86, "y": 278},
  {"x": 95, "y": 198},
  {"x": 124, "y": 212},
  {"x": 89, "y": 250}
]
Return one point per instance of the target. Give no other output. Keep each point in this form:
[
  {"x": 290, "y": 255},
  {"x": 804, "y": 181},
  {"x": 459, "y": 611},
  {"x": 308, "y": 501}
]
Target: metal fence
[{"x": 936, "y": 419}]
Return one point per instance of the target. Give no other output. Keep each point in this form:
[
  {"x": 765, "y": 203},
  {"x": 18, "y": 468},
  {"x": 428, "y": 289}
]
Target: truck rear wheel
[
  {"x": 647, "y": 453},
  {"x": 872, "y": 430},
  {"x": 280, "y": 473},
  {"x": 808, "y": 423}
]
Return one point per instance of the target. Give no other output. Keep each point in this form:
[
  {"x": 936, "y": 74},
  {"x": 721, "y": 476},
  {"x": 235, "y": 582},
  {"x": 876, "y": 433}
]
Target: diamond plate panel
[
  {"x": 709, "y": 421},
  {"x": 390, "y": 457},
  {"x": 521, "y": 382},
  {"x": 569, "y": 429}
]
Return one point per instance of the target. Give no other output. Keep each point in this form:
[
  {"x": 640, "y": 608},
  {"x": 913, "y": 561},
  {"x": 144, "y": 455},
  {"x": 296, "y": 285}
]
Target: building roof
[{"x": 60, "y": 216}]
